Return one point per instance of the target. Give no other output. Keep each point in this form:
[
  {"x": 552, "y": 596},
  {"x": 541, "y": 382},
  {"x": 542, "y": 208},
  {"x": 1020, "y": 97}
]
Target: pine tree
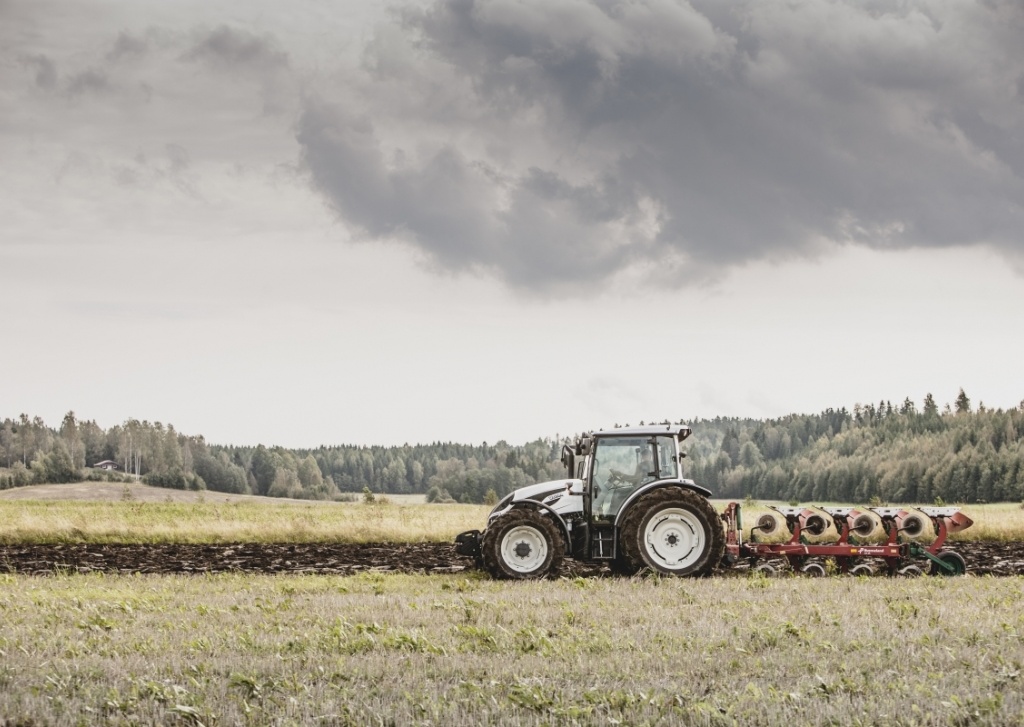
[{"x": 963, "y": 404}]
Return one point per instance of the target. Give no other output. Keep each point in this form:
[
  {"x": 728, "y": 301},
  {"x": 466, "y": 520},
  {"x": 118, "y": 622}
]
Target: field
[
  {"x": 129, "y": 608},
  {"x": 107, "y": 513},
  {"x": 405, "y": 649},
  {"x": 117, "y": 513}
]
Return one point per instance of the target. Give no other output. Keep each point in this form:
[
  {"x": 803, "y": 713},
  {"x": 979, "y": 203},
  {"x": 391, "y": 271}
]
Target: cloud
[
  {"x": 562, "y": 142},
  {"x": 46, "y": 71},
  {"x": 226, "y": 47},
  {"x": 89, "y": 81},
  {"x": 128, "y": 46}
]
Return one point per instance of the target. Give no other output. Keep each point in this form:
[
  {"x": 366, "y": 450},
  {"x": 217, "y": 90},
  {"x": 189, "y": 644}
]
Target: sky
[{"x": 481, "y": 220}]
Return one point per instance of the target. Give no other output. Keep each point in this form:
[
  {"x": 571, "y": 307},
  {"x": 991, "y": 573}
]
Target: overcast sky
[{"x": 375, "y": 223}]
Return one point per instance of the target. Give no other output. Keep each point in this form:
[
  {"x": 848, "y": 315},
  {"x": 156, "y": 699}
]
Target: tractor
[{"x": 624, "y": 502}]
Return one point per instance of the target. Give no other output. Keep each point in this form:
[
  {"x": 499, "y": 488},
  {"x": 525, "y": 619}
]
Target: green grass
[{"x": 393, "y": 649}]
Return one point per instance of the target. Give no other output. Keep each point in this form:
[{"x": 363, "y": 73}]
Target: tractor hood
[
  {"x": 544, "y": 489},
  {"x": 550, "y": 494}
]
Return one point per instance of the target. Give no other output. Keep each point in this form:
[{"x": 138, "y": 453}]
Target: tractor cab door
[{"x": 620, "y": 465}]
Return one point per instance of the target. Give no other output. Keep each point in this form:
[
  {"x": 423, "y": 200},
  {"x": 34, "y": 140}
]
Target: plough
[
  {"x": 904, "y": 541},
  {"x": 624, "y": 502}
]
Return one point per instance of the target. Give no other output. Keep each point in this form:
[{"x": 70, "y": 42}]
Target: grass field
[
  {"x": 40, "y": 521},
  {"x": 109, "y": 513},
  {"x": 392, "y": 649}
]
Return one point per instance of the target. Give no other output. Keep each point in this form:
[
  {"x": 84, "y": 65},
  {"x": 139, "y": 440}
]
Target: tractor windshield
[{"x": 622, "y": 464}]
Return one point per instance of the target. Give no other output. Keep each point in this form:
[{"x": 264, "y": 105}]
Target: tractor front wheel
[
  {"x": 522, "y": 544},
  {"x": 672, "y": 531}
]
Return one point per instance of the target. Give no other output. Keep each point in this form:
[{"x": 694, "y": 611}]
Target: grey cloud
[
  {"x": 691, "y": 138},
  {"x": 45, "y": 70},
  {"x": 233, "y": 48},
  {"x": 87, "y": 82},
  {"x": 534, "y": 230},
  {"x": 128, "y": 46}
]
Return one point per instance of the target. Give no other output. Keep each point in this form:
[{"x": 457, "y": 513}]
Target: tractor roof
[{"x": 681, "y": 430}]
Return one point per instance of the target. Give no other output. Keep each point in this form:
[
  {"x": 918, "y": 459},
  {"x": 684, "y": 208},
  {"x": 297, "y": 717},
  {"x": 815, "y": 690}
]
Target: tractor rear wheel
[
  {"x": 672, "y": 531},
  {"x": 522, "y": 544}
]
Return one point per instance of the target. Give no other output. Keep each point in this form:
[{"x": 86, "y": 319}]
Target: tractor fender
[
  {"x": 641, "y": 491},
  {"x": 566, "y": 538}
]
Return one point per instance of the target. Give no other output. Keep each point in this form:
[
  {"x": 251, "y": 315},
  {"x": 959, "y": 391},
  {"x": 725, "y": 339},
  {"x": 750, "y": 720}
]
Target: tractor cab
[
  {"x": 613, "y": 466},
  {"x": 622, "y": 464}
]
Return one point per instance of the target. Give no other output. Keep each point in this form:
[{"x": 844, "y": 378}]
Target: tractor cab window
[
  {"x": 668, "y": 462},
  {"x": 622, "y": 464}
]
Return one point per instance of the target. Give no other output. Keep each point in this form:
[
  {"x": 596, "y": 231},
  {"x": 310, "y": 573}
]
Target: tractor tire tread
[
  {"x": 630, "y": 549},
  {"x": 490, "y": 544}
]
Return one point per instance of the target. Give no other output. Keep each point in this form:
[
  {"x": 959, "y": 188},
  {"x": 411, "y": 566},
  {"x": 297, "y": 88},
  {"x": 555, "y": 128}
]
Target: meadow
[
  {"x": 435, "y": 650},
  {"x": 140, "y": 514},
  {"x": 401, "y": 649}
]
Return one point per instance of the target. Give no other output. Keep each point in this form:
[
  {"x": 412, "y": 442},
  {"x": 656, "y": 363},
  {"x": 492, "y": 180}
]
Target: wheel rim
[
  {"x": 675, "y": 539},
  {"x": 524, "y": 549}
]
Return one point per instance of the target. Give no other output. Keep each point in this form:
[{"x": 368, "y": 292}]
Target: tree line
[
  {"x": 873, "y": 453},
  {"x": 32, "y": 453}
]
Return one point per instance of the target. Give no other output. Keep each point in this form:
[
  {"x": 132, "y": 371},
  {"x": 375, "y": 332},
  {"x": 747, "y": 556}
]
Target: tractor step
[{"x": 602, "y": 544}]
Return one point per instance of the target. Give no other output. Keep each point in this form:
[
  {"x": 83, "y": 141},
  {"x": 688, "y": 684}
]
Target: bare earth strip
[{"x": 1001, "y": 559}]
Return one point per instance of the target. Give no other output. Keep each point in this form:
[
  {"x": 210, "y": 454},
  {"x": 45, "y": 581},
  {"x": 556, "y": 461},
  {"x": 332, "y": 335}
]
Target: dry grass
[
  {"x": 108, "y": 513},
  {"x": 439, "y": 650},
  {"x": 113, "y": 491},
  {"x": 220, "y": 522}
]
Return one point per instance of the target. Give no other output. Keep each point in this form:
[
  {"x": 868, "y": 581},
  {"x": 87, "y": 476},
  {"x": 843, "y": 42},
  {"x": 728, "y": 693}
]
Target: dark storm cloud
[
  {"x": 448, "y": 203},
  {"x": 690, "y": 136}
]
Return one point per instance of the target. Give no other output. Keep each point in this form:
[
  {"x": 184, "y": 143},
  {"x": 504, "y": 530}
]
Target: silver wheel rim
[
  {"x": 674, "y": 538},
  {"x": 524, "y": 549}
]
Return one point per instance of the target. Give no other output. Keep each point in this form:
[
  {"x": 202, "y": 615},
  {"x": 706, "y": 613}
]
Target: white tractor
[{"x": 623, "y": 502}]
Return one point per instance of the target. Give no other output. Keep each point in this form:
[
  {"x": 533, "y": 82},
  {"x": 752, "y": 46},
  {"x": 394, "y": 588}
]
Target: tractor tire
[
  {"x": 672, "y": 531},
  {"x": 522, "y": 544}
]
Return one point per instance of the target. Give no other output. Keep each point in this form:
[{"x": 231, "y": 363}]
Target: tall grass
[
  {"x": 439, "y": 650},
  {"x": 50, "y": 521},
  {"x": 53, "y": 521}
]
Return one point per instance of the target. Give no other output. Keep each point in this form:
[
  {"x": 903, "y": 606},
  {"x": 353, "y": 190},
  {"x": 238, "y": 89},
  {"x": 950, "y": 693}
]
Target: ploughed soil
[{"x": 1000, "y": 559}]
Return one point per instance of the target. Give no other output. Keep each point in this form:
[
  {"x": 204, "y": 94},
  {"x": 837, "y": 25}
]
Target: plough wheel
[
  {"x": 672, "y": 531},
  {"x": 814, "y": 570},
  {"x": 950, "y": 558}
]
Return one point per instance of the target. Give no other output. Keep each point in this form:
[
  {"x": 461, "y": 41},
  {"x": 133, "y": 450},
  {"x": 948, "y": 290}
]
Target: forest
[{"x": 876, "y": 453}]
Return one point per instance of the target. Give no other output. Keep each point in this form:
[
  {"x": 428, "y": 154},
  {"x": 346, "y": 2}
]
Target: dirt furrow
[{"x": 1001, "y": 559}]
